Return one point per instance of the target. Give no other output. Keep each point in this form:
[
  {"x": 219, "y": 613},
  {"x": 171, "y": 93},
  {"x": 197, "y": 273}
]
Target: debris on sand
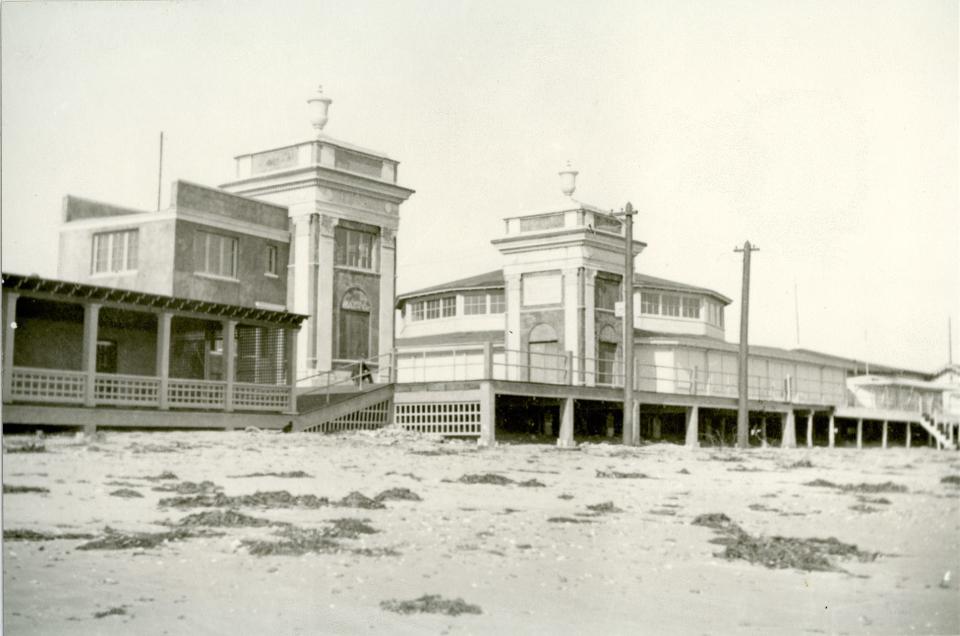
[
  {"x": 398, "y": 494},
  {"x": 778, "y": 552},
  {"x": 225, "y": 519},
  {"x": 887, "y": 486},
  {"x": 431, "y": 604},
  {"x": 259, "y": 499},
  {"x": 348, "y": 528},
  {"x": 359, "y": 500},
  {"x": 300, "y": 541},
  {"x": 568, "y": 520},
  {"x": 410, "y": 475},
  {"x": 803, "y": 463},
  {"x": 290, "y": 474},
  {"x": 864, "y": 508},
  {"x": 190, "y": 488},
  {"x": 613, "y": 474},
  {"x": 951, "y": 479},
  {"x": 161, "y": 477},
  {"x": 36, "y": 445},
  {"x": 726, "y": 458},
  {"x": 744, "y": 469},
  {"x": 33, "y": 535},
  {"x": 874, "y": 500},
  {"x": 566, "y": 496},
  {"x": 113, "y": 611},
  {"x": 13, "y": 489},
  {"x": 605, "y": 507},
  {"x": 114, "y": 540},
  {"x": 127, "y": 493},
  {"x": 683, "y": 471},
  {"x": 486, "y": 478},
  {"x": 532, "y": 483}
]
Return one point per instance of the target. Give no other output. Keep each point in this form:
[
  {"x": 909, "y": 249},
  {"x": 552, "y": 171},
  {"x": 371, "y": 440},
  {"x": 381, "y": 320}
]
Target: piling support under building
[
  {"x": 566, "y": 424},
  {"x": 692, "y": 439},
  {"x": 789, "y": 437}
]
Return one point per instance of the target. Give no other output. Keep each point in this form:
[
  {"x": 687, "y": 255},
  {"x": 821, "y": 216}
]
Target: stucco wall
[
  {"x": 190, "y": 196},
  {"x": 154, "y": 256},
  {"x": 251, "y": 285}
]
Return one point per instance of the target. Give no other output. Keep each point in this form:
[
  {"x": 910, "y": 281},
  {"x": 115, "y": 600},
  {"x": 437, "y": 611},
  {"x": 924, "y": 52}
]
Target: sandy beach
[{"x": 601, "y": 540}]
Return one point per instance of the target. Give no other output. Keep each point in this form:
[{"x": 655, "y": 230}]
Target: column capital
[
  {"x": 328, "y": 225},
  {"x": 388, "y": 238},
  {"x": 512, "y": 279}
]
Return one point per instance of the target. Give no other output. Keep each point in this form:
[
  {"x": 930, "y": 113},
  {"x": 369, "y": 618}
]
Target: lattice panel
[
  {"x": 261, "y": 397},
  {"x": 369, "y": 418},
  {"x": 120, "y": 389},
  {"x": 198, "y": 393},
  {"x": 444, "y": 418},
  {"x": 47, "y": 386}
]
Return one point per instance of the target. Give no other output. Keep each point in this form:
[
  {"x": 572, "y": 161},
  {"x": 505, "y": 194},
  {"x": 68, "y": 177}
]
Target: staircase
[
  {"x": 936, "y": 429},
  {"x": 346, "y": 400}
]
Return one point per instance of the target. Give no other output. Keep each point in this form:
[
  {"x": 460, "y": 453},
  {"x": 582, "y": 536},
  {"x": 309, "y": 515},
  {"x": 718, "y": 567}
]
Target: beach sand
[{"x": 643, "y": 569}]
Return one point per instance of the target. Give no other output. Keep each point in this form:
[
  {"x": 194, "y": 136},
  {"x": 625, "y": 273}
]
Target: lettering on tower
[{"x": 274, "y": 160}]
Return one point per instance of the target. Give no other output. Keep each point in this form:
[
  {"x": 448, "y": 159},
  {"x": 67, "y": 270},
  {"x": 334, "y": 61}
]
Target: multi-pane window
[
  {"x": 431, "y": 309},
  {"x": 416, "y": 311},
  {"x": 272, "y": 265},
  {"x": 115, "y": 251},
  {"x": 448, "y": 306},
  {"x": 670, "y": 305},
  {"x": 649, "y": 303},
  {"x": 498, "y": 304},
  {"x": 607, "y": 293},
  {"x": 691, "y": 307},
  {"x": 353, "y": 248},
  {"x": 474, "y": 303},
  {"x": 218, "y": 254}
]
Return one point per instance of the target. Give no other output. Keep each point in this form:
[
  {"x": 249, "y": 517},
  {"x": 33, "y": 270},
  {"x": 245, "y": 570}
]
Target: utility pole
[
  {"x": 949, "y": 341},
  {"x": 160, "y": 172},
  {"x": 743, "y": 417},
  {"x": 631, "y": 429}
]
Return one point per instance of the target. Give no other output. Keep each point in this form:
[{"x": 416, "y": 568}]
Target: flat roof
[{"x": 83, "y": 291}]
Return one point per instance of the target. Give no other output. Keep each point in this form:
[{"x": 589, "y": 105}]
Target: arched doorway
[
  {"x": 354, "y": 327},
  {"x": 607, "y": 350},
  {"x": 546, "y": 360}
]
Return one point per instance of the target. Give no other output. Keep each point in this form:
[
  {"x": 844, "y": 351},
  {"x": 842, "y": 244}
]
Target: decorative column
[
  {"x": 91, "y": 324},
  {"x": 512, "y": 283},
  {"x": 229, "y": 348},
  {"x": 788, "y": 439},
  {"x": 388, "y": 254},
  {"x": 163, "y": 356},
  {"x": 693, "y": 420},
  {"x": 571, "y": 316},
  {"x": 290, "y": 345},
  {"x": 589, "y": 327},
  {"x": 9, "y": 333},
  {"x": 810, "y": 429},
  {"x": 323, "y": 314},
  {"x": 566, "y": 424},
  {"x": 302, "y": 287}
]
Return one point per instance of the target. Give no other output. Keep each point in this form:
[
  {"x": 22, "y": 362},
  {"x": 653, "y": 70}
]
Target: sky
[{"x": 824, "y": 132}]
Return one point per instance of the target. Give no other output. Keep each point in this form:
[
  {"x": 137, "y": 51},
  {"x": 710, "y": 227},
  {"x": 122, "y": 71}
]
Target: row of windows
[
  {"x": 474, "y": 303},
  {"x": 217, "y": 254},
  {"x": 680, "y": 306}
]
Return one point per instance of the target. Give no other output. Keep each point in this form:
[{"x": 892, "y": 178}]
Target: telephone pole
[
  {"x": 630, "y": 436},
  {"x": 743, "y": 413},
  {"x": 160, "y": 172}
]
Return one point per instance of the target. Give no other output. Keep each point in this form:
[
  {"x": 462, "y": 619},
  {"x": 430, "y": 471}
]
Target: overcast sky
[{"x": 824, "y": 132}]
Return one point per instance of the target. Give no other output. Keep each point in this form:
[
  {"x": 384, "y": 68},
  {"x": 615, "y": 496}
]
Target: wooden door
[{"x": 354, "y": 335}]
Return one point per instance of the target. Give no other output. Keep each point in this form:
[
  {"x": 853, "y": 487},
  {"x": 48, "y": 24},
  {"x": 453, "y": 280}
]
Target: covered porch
[{"x": 82, "y": 345}]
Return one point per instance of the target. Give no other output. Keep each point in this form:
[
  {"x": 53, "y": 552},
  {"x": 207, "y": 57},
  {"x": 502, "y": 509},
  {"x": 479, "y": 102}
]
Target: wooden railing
[{"x": 114, "y": 389}]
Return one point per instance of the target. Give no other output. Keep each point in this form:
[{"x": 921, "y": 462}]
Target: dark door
[
  {"x": 354, "y": 335},
  {"x": 106, "y": 356}
]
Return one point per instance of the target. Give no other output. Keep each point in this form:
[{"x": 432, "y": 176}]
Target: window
[
  {"x": 416, "y": 311},
  {"x": 218, "y": 254},
  {"x": 649, "y": 303},
  {"x": 448, "y": 306},
  {"x": 432, "y": 309},
  {"x": 115, "y": 251},
  {"x": 271, "y": 267},
  {"x": 607, "y": 293},
  {"x": 497, "y": 303},
  {"x": 353, "y": 248},
  {"x": 691, "y": 307},
  {"x": 671, "y": 305},
  {"x": 474, "y": 303}
]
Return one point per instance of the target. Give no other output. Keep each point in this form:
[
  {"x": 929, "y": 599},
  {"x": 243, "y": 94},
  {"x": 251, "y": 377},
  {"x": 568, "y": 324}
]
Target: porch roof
[{"x": 84, "y": 292}]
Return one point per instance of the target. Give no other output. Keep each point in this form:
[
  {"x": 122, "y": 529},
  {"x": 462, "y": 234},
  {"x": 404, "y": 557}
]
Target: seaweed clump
[
  {"x": 486, "y": 478},
  {"x": 398, "y": 494},
  {"x": 114, "y": 540},
  {"x": 33, "y": 535},
  {"x": 779, "y": 552},
  {"x": 13, "y": 489},
  {"x": 613, "y": 474},
  {"x": 431, "y": 604},
  {"x": 259, "y": 499},
  {"x": 887, "y": 486}
]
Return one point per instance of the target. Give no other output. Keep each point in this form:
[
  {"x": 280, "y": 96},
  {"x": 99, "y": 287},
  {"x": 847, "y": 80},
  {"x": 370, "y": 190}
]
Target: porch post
[
  {"x": 810, "y": 429},
  {"x": 163, "y": 355},
  {"x": 883, "y": 443},
  {"x": 229, "y": 332},
  {"x": 487, "y": 361},
  {"x": 488, "y": 416},
  {"x": 832, "y": 432},
  {"x": 788, "y": 439},
  {"x": 91, "y": 320},
  {"x": 693, "y": 421},
  {"x": 290, "y": 342},
  {"x": 566, "y": 424},
  {"x": 9, "y": 331}
]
